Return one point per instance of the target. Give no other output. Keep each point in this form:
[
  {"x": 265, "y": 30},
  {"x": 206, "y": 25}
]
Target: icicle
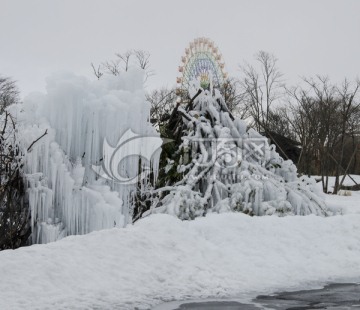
[{"x": 66, "y": 196}]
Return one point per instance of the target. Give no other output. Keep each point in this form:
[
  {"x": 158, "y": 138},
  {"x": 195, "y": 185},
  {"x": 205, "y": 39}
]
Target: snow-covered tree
[{"x": 217, "y": 164}]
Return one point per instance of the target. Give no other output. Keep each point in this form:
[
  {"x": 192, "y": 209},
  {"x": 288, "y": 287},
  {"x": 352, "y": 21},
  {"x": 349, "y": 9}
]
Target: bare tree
[
  {"x": 9, "y": 93},
  {"x": 123, "y": 62},
  {"x": 97, "y": 71},
  {"x": 278, "y": 122},
  {"x": 261, "y": 88},
  {"x": 162, "y": 102},
  {"x": 329, "y": 124},
  {"x": 234, "y": 98},
  {"x": 354, "y": 132},
  {"x": 143, "y": 61},
  {"x": 301, "y": 113},
  {"x": 14, "y": 216},
  {"x": 324, "y": 117},
  {"x": 125, "y": 59},
  {"x": 348, "y": 105},
  {"x": 112, "y": 67},
  {"x": 15, "y": 228},
  {"x": 142, "y": 58}
]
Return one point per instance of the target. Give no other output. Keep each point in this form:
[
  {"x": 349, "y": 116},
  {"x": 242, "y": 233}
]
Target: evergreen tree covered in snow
[{"x": 217, "y": 164}]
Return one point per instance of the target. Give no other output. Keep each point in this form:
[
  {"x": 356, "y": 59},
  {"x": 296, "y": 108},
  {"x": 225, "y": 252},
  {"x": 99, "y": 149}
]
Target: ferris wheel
[{"x": 203, "y": 62}]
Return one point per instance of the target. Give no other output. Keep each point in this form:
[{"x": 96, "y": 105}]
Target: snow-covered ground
[
  {"x": 343, "y": 204},
  {"x": 162, "y": 258}
]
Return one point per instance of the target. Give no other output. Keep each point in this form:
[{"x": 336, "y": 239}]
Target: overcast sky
[{"x": 38, "y": 37}]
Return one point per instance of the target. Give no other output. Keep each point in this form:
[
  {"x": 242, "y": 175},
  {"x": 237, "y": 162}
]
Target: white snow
[
  {"x": 161, "y": 258},
  {"x": 343, "y": 204}
]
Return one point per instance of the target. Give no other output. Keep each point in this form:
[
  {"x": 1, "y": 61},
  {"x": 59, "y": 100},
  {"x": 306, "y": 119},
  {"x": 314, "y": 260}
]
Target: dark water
[
  {"x": 214, "y": 305},
  {"x": 344, "y": 296},
  {"x": 333, "y": 296}
]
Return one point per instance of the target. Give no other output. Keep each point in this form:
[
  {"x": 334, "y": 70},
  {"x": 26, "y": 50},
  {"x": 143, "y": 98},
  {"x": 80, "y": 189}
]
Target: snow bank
[
  {"x": 66, "y": 196},
  {"x": 341, "y": 204},
  {"x": 344, "y": 204},
  {"x": 162, "y": 258}
]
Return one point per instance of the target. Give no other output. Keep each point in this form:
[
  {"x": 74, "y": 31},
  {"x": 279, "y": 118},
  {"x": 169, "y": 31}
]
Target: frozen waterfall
[{"x": 64, "y": 193}]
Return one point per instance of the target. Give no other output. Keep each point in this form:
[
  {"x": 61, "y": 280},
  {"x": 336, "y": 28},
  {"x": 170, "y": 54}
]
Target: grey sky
[{"x": 38, "y": 37}]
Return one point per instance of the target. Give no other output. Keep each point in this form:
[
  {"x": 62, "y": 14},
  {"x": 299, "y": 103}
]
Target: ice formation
[
  {"x": 221, "y": 165},
  {"x": 66, "y": 196}
]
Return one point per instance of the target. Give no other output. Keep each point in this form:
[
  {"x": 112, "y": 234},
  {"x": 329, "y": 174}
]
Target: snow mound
[{"x": 162, "y": 258}]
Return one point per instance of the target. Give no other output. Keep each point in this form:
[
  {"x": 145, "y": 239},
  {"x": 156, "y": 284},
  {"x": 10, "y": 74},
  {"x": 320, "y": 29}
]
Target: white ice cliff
[{"x": 65, "y": 194}]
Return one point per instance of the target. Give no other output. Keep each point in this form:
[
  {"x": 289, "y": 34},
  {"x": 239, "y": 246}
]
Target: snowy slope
[
  {"x": 342, "y": 204},
  {"x": 162, "y": 258}
]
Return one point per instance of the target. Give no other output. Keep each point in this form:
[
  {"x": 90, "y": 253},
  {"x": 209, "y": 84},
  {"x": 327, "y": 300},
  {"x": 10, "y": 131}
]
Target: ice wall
[{"x": 65, "y": 195}]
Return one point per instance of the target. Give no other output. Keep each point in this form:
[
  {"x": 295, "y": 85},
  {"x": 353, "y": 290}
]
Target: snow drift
[{"x": 161, "y": 258}]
